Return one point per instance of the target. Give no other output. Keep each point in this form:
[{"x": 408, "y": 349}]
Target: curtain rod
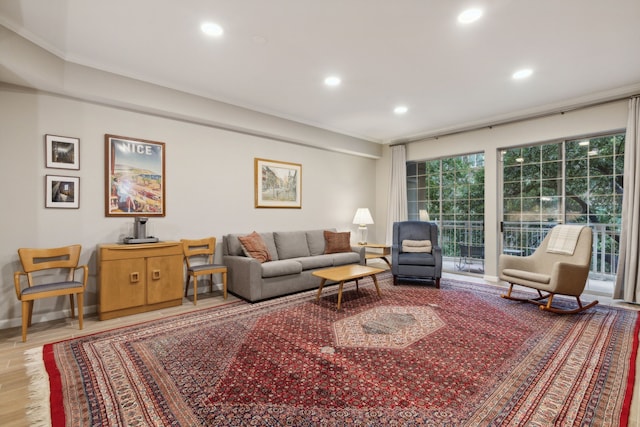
[{"x": 559, "y": 111}]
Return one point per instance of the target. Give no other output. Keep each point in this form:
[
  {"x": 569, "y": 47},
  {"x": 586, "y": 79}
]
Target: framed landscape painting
[
  {"x": 134, "y": 177},
  {"x": 62, "y": 152},
  {"x": 62, "y": 192},
  {"x": 277, "y": 184}
]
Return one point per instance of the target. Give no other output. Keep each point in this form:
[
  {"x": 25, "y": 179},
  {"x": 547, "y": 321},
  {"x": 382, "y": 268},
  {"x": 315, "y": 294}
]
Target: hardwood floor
[{"x": 14, "y": 381}]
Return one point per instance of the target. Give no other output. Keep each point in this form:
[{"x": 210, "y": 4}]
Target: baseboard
[
  {"x": 47, "y": 317},
  {"x": 491, "y": 279},
  {"x": 87, "y": 311}
]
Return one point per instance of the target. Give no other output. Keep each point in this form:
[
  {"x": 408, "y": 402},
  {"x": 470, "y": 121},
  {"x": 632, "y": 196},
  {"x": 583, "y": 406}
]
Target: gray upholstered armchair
[{"x": 415, "y": 253}]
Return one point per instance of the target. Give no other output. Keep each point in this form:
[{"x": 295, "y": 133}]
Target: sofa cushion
[
  {"x": 337, "y": 242},
  {"x": 234, "y": 247},
  {"x": 291, "y": 244},
  {"x": 280, "y": 268},
  {"x": 315, "y": 241},
  {"x": 528, "y": 275},
  {"x": 271, "y": 245},
  {"x": 317, "y": 261},
  {"x": 344, "y": 258},
  {"x": 254, "y": 246},
  {"x": 416, "y": 258}
]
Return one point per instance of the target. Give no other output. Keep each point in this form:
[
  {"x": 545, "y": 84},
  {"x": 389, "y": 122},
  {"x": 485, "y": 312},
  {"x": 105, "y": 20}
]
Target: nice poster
[{"x": 135, "y": 177}]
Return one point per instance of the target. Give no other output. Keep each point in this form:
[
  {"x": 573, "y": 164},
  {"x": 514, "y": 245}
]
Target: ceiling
[{"x": 274, "y": 55}]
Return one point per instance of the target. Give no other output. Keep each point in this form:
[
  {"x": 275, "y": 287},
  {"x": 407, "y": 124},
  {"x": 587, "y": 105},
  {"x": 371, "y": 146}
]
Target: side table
[{"x": 380, "y": 251}]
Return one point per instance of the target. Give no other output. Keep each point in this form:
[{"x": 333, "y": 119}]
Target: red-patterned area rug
[{"x": 455, "y": 356}]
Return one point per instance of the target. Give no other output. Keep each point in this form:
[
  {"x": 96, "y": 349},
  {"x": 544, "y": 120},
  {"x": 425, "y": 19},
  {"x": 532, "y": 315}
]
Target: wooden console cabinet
[{"x": 134, "y": 278}]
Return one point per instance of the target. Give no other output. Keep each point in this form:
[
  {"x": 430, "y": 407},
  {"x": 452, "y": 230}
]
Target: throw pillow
[
  {"x": 416, "y": 246},
  {"x": 335, "y": 242},
  {"x": 254, "y": 247}
]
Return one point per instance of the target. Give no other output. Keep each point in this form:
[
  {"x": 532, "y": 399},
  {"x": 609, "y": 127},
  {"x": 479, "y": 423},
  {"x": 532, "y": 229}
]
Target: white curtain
[
  {"x": 397, "y": 208},
  {"x": 628, "y": 276}
]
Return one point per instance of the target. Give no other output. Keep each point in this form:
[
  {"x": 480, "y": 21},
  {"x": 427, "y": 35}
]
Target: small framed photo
[
  {"x": 277, "y": 184},
  {"x": 62, "y": 152},
  {"x": 62, "y": 192}
]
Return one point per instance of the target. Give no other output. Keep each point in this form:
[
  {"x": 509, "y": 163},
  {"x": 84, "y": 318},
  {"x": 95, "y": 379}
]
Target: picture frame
[
  {"x": 62, "y": 152},
  {"x": 277, "y": 184},
  {"x": 134, "y": 177},
  {"x": 62, "y": 192}
]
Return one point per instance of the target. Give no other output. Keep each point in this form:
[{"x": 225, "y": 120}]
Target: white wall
[
  {"x": 603, "y": 118},
  {"x": 210, "y": 151},
  {"x": 209, "y": 177}
]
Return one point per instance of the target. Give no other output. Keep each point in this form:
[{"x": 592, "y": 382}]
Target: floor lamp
[{"x": 363, "y": 218}]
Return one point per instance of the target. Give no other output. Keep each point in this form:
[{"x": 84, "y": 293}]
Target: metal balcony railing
[{"x": 463, "y": 243}]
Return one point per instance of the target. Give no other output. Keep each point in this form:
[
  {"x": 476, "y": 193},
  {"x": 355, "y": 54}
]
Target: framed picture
[
  {"x": 62, "y": 152},
  {"x": 62, "y": 192},
  {"x": 134, "y": 177},
  {"x": 277, "y": 184}
]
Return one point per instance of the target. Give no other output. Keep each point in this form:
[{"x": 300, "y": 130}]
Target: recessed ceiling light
[
  {"x": 212, "y": 29},
  {"x": 522, "y": 74},
  {"x": 470, "y": 15},
  {"x": 332, "y": 81},
  {"x": 401, "y": 109}
]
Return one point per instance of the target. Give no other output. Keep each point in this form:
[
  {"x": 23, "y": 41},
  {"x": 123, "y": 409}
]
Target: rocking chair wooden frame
[{"x": 548, "y": 305}]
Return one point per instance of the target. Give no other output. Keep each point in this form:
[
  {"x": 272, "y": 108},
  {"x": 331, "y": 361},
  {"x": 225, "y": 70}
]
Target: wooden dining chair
[
  {"x": 199, "y": 254},
  {"x": 42, "y": 268}
]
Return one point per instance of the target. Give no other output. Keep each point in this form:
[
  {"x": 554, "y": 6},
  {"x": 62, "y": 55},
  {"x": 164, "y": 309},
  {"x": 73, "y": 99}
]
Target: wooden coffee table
[{"x": 345, "y": 273}]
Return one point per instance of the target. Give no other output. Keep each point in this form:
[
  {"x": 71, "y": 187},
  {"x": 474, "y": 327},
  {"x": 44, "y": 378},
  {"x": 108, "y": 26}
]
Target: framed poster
[
  {"x": 277, "y": 184},
  {"x": 134, "y": 177},
  {"x": 62, "y": 192},
  {"x": 62, "y": 152}
]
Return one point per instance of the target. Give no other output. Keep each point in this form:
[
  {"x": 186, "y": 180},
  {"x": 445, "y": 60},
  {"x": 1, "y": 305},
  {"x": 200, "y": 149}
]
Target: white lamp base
[{"x": 363, "y": 234}]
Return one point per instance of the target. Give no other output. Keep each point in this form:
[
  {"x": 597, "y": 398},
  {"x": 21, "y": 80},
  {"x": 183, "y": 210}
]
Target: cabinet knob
[
  {"x": 155, "y": 274},
  {"x": 134, "y": 277}
]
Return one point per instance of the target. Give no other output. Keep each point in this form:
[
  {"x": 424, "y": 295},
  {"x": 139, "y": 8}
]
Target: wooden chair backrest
[
  {"x": 192, "y": 248},
  {"x": 33, "y": 260}
]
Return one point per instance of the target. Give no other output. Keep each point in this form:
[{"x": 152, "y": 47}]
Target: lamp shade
[{"x": 363, "y": 217}]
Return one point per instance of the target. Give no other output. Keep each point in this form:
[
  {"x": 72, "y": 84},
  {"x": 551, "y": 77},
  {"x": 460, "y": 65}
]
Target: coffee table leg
[
  {"x": 320, "y": 289},
  {"x": 375, "y": 282},
  {"x": 340, "y": 293}
]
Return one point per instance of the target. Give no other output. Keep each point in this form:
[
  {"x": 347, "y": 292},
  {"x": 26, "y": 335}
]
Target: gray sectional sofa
[{"x": 294, "y": 256}]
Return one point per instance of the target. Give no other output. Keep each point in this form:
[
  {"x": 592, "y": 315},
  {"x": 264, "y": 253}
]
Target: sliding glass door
[
  {"x": 450, "y": 192},
  {"x": 574, "y": 181}
]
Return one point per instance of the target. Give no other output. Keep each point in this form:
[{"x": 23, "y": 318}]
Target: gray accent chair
[{"x": 420, "y": 266}]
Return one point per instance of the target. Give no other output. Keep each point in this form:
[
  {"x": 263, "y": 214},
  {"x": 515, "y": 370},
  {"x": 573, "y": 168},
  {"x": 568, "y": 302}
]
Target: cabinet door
[
  {"x": 122, "y": 284},
  {"x": 164, "y": 278}
]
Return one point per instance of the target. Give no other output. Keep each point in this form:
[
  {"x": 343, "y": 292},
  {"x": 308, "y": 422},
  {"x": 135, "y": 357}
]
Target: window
[{"x": 575, "y": 181}]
